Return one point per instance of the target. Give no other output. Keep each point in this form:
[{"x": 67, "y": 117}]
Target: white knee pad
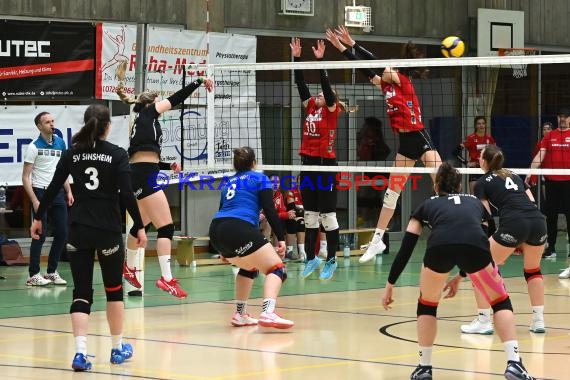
[
  {"x": 329, "y": 221},
  {"x": 311, "y": 219},
  {"x": 391, "y": 199}
]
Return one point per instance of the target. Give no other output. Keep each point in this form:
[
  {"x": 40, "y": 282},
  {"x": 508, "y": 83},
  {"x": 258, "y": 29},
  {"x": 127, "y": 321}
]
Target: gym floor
[{"x": 341, "y": 331}]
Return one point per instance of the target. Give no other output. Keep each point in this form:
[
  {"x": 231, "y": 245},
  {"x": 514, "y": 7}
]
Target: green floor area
[{"x": 216, "y": 282}]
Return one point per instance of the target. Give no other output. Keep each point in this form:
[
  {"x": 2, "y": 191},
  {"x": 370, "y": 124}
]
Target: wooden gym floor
[{"x": 341, "y": 331}]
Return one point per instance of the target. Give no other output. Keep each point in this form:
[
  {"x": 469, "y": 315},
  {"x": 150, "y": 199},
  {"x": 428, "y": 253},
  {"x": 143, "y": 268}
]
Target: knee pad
[
  {"x": 165, "y": 231},
  {"x": 311, "y": 219},
  {"x": 426, "y": 307},
  {"x": 115, "y": 293},
  {"x": 391, "y": 199},
  {"x": 80, "y": 306},
  {"x": 301, "y": 225},
  {"x": 248, "y": 273},
  {"x": 330, "y": 223},
  {"x": 503, "y": 305},
  {"x": 531, "y": 274},
  {"x": 483, "y": 281},
  {"x": 280, "y": 271},
  {"x": 81, "y": 302},
  {"x": 291, "y": 226}
]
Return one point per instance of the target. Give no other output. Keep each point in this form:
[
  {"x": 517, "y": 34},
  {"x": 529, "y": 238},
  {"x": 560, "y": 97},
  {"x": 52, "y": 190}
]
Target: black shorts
[
  {"x": 292, "y": 226},
  {"x": 414, "y": 144},
  {"x": 234, "y": 237},
  {"x": 144, "y": 179},
  {"x": 514, "y": 232},
  {"x": 86, "y": 237},
  {"x": 319, "y": 189},
  {"x": 469, "y": 258}
]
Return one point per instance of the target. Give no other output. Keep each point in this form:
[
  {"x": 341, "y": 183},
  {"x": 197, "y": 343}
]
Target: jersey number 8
[{"x": 231, "y": 191}]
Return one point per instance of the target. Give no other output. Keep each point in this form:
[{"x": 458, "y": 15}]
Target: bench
[{"x": 185, "y": 251}]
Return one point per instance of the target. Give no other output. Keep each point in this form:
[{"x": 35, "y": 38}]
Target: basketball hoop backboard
[{"x": 498, "y": 29}]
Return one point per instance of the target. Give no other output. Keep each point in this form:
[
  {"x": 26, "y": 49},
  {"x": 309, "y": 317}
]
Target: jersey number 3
[{"x": 93, "y": 183}]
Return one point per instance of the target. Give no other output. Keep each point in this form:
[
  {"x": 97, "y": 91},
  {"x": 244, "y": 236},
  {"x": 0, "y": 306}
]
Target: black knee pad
[
  {"x": 248, "y": 273},
  {"x": 165, "y": 231},
  {"x": 301, "y": 225},
  {"x": 424, "y": 308},
  {"x": 503, "y": 305},
  {"x": 280, "y": 271},
  {"x": 114, "y": 293},
  {"x": 291, "y": 227},
  {"x": 80, "y": 306},
  {"x": 82, "y": 302},
  {"x": 532, "y": 274}
]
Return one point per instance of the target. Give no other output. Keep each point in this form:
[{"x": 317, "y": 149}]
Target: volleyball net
[{"x": 258, "y": 105}]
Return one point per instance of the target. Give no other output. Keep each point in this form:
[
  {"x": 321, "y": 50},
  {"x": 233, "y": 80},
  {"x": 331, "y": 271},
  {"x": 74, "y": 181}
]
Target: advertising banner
[
  {"x": 46, "y": 60},
  {"x": 17, "y": 130}
]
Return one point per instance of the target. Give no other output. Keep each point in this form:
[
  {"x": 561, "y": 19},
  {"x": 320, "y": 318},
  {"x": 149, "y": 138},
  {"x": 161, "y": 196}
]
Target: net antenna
[{"x": 519, "y": 70}]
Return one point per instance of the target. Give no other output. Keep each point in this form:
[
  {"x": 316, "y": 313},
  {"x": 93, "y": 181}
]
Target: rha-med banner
[{"x": 46, "y": 60}]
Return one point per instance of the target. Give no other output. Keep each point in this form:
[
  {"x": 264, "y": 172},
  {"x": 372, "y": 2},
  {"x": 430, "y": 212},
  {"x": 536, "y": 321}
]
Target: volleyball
[{"x": 452, "y": 46}]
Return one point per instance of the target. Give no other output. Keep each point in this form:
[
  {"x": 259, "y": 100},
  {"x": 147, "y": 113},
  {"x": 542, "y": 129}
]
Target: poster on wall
[
  {"x": 46, "y": 60},
  {"x": 169, "y": 51},
  {"x": 18, "y": 130}
]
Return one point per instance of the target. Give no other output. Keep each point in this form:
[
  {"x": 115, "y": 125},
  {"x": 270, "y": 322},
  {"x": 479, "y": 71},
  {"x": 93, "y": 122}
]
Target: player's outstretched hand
[
  {"x": 344, "y": 36},
  {"x": 280, "y": 249},
  {"x": 333, "y": 39},
  {"x": 36, "y": 229},
  {"x": 296, "y": 47},
  {"x": 319, "y": 51},
  {"x": 452, "y": 286},
  {"x": 209, "y": 84},
  {"x": 387, "y": 299},
  {"x": 176, "y": 167},
  {"x": 141, "y": 238}
]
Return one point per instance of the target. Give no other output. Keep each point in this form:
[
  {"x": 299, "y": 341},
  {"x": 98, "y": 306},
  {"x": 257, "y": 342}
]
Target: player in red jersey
[
  {"x": 554, "y": 153},
  {"x": 475, "y": 143},
  {"x": 296, "y": 225},
  {"x": 318, "y": 148},
  {"x": 403, "y": 109}
]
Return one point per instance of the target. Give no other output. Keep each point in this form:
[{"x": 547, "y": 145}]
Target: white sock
[
  {"x": 268, "y": 305},
  {"x": 241, "y": 307},
  {"x": 425, "y": 355},
  {"x": 538, "y": 313},
  {"x": 81, "y": 344},
  {"x": 323, "y": 245},
  {"x": 117, "y": 341},
  {"x": 132, "y": 257},
  {"x": 512, "y": 350},
  {"x": 484, "y": 315},
  {"x": 164, "y": 262},
  {"x": 301, "y": 249},
  {"x": 289, "y": 248},
  {"x": 378, "y": 234}
]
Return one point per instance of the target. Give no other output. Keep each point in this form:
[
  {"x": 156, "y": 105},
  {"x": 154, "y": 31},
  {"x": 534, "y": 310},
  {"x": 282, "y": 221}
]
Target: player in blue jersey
[{"x": 235, "y": 234}]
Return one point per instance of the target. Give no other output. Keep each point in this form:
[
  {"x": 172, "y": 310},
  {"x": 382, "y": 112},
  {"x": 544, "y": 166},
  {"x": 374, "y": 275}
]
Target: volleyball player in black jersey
[
  {"x": 144, "y": 152},
  {"x": 521, "y": 224},
  {"x": 457, "y": 239},
  {"x": 101, "y": 175}
]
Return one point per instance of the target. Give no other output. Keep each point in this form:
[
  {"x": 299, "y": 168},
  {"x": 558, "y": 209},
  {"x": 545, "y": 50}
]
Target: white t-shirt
[{"x": 44, "y": 158}]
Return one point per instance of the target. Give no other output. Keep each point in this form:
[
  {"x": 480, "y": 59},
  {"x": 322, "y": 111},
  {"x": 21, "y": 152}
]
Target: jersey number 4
[{"x": 510, "y": 184}]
